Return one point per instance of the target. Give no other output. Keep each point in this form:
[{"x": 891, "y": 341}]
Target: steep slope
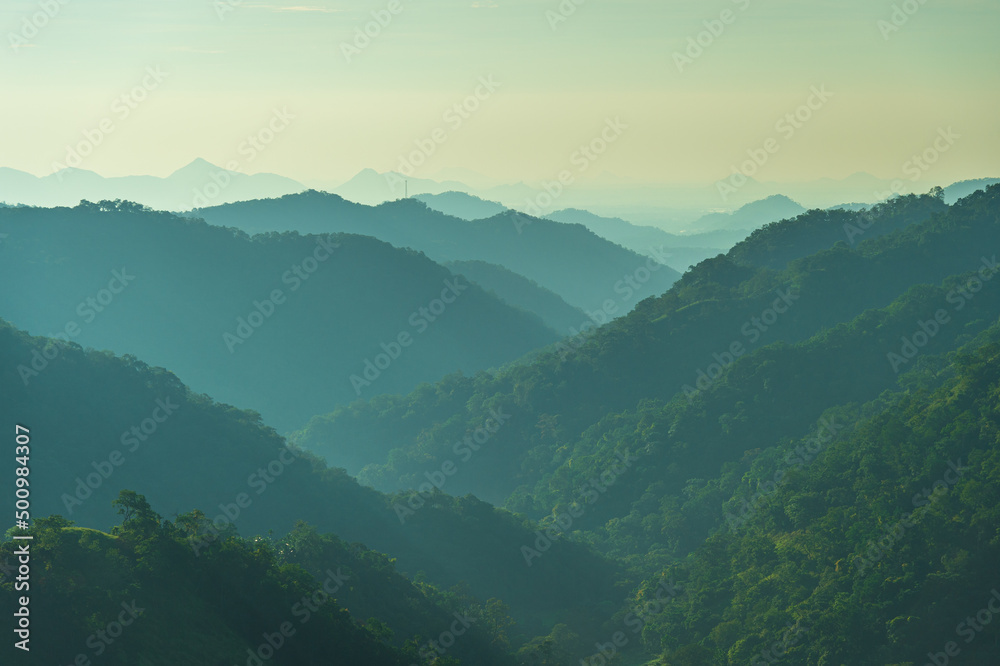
[
  {"x": 731, "y": 460},
  {"x": 750, "y": 216},
  {"x": 881, "y": 549},
  {"x": 751, "y": 504},
  {"x": 584, "y": 269},
  {"x": 778, "y": 243},
  {"x": 129, "y": 597},
  {"x": 523, "y": 293},
  {"x": 681, "y": 252},
  {"x": 285, "y": 324},
  {"x": 756, "y": 402},
  {"x": 719, "y": 311},
  {"x": 461, "y": 205},
  {"x": 102, "y": 424},
  {"x": 964, "y": 188}
]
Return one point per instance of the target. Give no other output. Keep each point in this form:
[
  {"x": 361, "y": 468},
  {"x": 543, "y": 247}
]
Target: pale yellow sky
[{"x": 228, "y": 65}]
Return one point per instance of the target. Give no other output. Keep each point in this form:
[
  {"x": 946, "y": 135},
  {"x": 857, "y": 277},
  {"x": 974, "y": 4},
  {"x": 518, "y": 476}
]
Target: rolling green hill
[
  {"x": 760, "y": 480},
  {"x": 140, "y": 596},
  {"x": 791, "y": 455},
  {"x": 284, "y": 324},
  {"x": 583, "y": 268},
  {"x": 125, "y": 425},
  {"x": 718, "y": 311},
  {"x": 523, "y": 293}
]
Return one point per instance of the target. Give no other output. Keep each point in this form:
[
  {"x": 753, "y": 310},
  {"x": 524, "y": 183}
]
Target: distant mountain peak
[
  {"x": 776, "y": 197},
  {"x": 196, "y": 166},
  {"x": 461, "y": 205},
  {"x": 775, "y": 200},
  {"x": 73, "y": 172},
  {"x": 372, "y": 175}
]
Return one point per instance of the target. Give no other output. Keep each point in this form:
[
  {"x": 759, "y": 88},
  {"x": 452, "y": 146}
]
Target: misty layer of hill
[
  {"x": 284, "y": 324},
  {"x": 764, "y": 480},
  {"x": 462, "y": 205},
  {"x": 680, "y": 252},
  {"x": 964, "y": 188},
  {"x": 663, "y": 345},
  {"x": 523, "y": 293},
  {"x": 641, "y": 202},
  {"x": 775, "y": 245},
  {"x": 792, "y": 455},
  {"x": 123, "y": 425},
  {"x": 586, "y": 270},
  {"x": 750, "y": 216},
  {"x": 372, "y": 188},
  {"x": 198, "y": 184}
]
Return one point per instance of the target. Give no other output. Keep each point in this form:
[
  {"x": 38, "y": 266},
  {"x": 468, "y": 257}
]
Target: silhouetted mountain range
[
  {"x": 217, "y": 470},
  {"x": 749, "y": 439},
  {"x": 523, "y": 293},
  {"x": 285, "y": 324},
  {"x": 658, "y": 349},
  {"x": 776, "y": 395},
  {"x": 964, "y": 188},
  {"x": 462, "y": 205},
  {"x": 750, "y": 216},
  {"x": 197, "y": 184},
  {"x": 584, "y": 269}
]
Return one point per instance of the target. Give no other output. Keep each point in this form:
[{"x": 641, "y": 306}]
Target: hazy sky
[{"x": 558, "y": 86}]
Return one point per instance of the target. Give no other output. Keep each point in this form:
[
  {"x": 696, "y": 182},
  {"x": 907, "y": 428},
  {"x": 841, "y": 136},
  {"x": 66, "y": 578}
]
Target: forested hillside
[
  {"x": 140, "y": 596},
  {"x": 284, "y": 324},
  {"x": 740, "y": 492},
  {"x": 879, "y": 547},
  {"x": 523, "y": 293},
  {"x": 678, "y": 343},
  {"x": 763, "y": 501},
  {"x": 500, "y": 333},
  {"x": 125, "y": 425},
  {"x": 681, "y": 252},
  {"x": 583, "y": 268}
]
